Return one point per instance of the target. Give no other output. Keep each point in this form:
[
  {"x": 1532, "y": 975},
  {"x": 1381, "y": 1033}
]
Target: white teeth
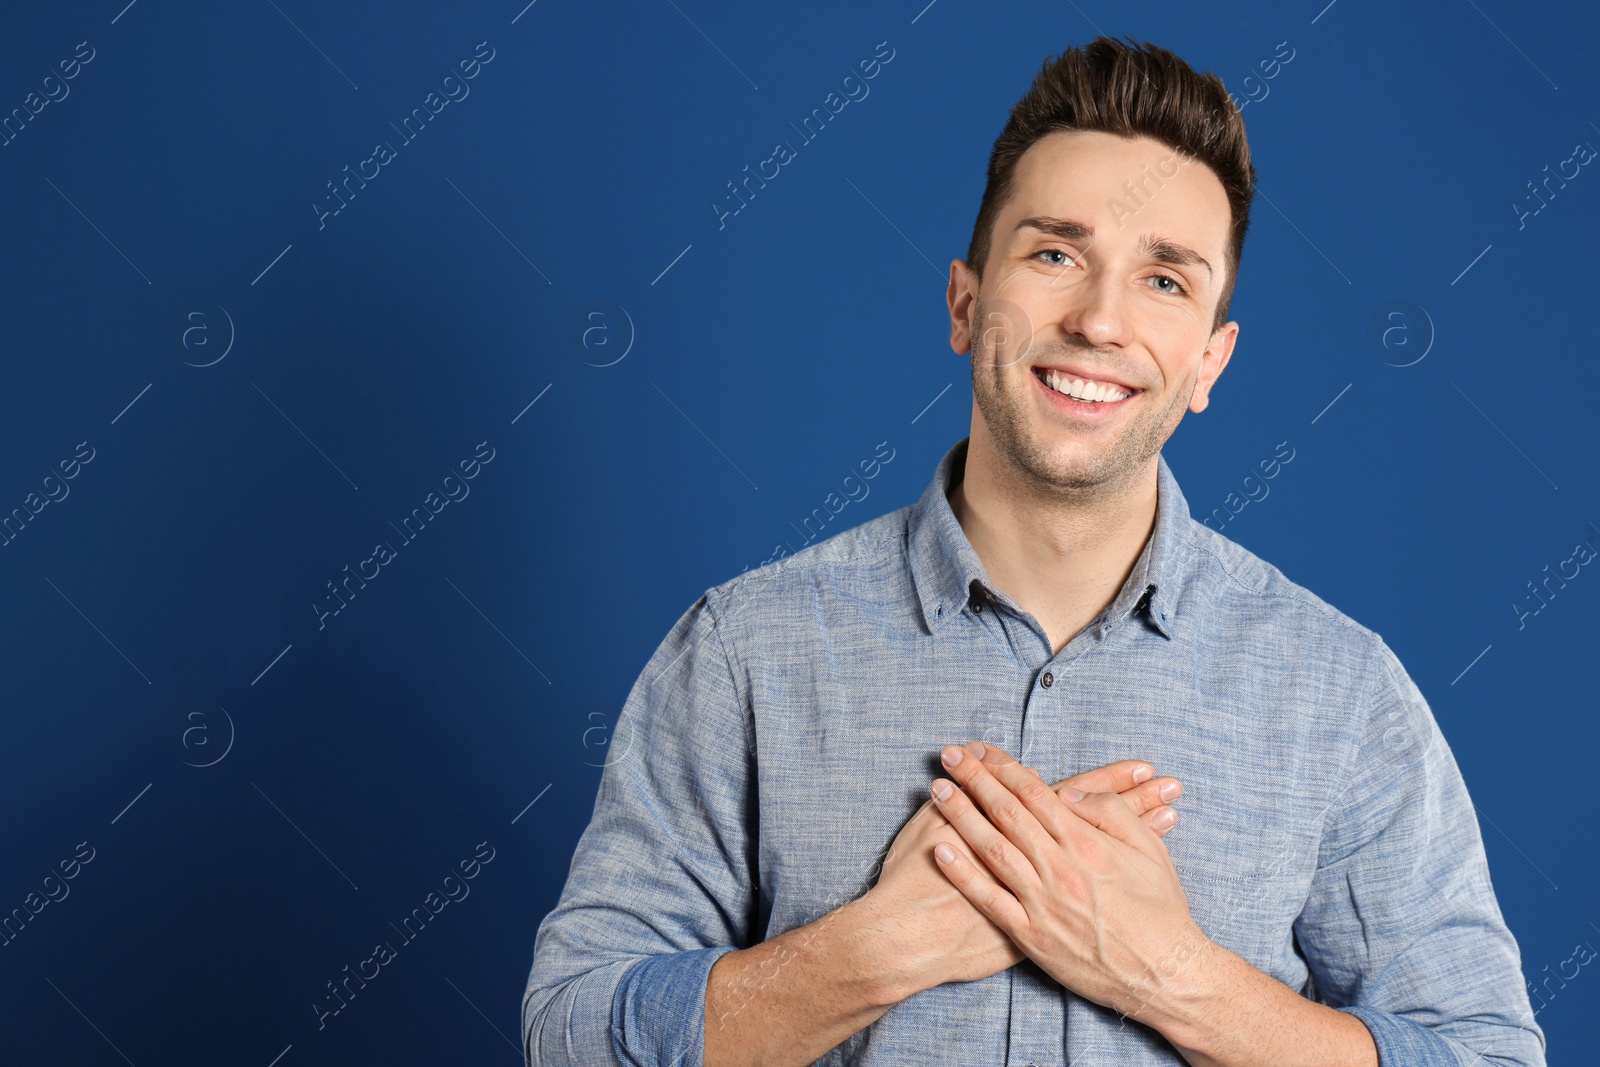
[{"x": 1079, "y": 389}]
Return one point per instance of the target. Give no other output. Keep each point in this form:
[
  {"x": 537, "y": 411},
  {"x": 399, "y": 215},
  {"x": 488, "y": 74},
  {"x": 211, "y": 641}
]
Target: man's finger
[
  {"x": 1113, "y": 777},
  {"x": 1110, "y": 814},
  {"x": 1147, "y": 797},
  {"x": 1116, "y": 777},
  {"x": 1000, "y": 855},
  {"x": 1141, "y": 799},
  {"x": 978, "y": 885},
  {"x": 1013, "y": 796}
]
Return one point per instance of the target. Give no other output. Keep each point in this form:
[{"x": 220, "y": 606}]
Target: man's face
[{"x": 1097, "y": 269}]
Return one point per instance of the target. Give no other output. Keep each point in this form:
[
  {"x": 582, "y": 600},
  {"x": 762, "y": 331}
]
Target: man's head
[
  {"x": 1106, "y": 247},
  {"x": 1141, "y": 91}
]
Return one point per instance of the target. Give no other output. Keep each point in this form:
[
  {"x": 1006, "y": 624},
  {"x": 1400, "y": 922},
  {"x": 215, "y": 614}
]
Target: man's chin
[{"x": 1072, "y": 468}]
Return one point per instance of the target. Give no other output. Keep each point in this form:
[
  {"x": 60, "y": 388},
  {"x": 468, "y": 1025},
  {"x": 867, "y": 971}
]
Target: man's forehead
[
  {"x": 1089, "y": 146},
  {"x": 1102, "y": 181}
]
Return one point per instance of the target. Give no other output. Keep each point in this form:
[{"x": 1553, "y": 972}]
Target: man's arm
[
  {"x": 1402, "y": 929},
  {"x": 791, "y": 999},
  {"x": 663, "y": 886},
  {"x": 663, "y": 879}
]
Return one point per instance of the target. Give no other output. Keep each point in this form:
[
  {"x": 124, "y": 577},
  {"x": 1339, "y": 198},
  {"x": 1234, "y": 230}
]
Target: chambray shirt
[{"x": 790, "y": 724}]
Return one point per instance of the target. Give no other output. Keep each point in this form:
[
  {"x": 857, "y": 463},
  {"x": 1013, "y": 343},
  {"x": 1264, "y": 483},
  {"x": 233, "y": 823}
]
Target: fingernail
[
  {"x": 942, "y": 789},
  {"x": 1164, "y": 818},
  {"x": 1072, "y": 793},
  {"x": 945, "y": 853},
  {"x": 1142, "y": 773},
  {"x": 1171, "y": 790},
  {"x": 976, "y": 748},
  {"x": 952, "y": 756}
]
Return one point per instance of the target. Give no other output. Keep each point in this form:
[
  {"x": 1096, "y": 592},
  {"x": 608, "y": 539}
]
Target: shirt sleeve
[
  {"x": 662, "y": 882},
  {"x": 1401, "y": 928}
]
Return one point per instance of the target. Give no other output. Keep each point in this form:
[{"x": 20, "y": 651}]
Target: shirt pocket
[{"x": 1251, "y": 912}]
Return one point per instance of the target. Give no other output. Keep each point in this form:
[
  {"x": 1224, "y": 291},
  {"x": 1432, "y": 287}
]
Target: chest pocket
[{"x": 1253, "y": 914}]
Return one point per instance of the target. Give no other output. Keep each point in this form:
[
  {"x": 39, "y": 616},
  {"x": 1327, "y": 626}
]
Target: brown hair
[{"x": 1132, "y": 91}]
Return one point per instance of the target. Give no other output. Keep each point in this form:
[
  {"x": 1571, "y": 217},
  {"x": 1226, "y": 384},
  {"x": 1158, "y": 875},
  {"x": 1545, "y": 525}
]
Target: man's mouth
[{"x": 1084, "y": 390}]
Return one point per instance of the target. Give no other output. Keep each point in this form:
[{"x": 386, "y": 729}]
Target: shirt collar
[{"x": 944, "y": 565}]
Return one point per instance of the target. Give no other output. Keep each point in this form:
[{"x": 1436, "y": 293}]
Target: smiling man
[{"x": 790, "y": 862}]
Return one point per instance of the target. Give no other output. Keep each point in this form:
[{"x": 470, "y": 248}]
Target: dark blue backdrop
[{"x": 530, "y": 320}]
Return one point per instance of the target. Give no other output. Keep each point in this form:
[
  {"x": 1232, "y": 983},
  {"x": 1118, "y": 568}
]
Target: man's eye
[
  {"x": 1065, "y": 260},
  {"x": 1177, "y": 288}
]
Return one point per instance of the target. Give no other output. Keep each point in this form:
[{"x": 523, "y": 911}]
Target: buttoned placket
[{"x": 1038, "y": 1004}]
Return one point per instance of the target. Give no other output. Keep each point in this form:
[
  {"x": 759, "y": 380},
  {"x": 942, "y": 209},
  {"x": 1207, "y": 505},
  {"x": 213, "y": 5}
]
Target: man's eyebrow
[
  {"x": 1066, "y": 229},
  {"x": 1168, "y": 251}
]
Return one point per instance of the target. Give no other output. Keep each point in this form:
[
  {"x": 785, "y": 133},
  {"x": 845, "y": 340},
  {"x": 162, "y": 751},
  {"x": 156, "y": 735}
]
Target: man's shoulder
[
  {"x": 1253, "y": 610},
  {"x": 865, "y": 563},
  {"x": 1262, "y": 595}
]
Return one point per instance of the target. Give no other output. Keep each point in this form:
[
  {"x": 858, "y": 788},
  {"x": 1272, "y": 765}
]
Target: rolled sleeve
[
  {"x": 662, "y": 882},
  {"x": 665, "y": 995},
  {"x": 1401, "y": 928},
  {"x": 1401, "y": 1041}
]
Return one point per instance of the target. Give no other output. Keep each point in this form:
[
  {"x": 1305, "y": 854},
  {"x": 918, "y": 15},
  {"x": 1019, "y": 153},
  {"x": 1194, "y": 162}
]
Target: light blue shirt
[{"x": 790, "y": 724}]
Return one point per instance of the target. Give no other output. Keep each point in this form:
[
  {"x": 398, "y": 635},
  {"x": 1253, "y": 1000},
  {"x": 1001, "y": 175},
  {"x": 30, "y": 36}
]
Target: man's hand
[
  {"x": 930, "y": 929},
  {"x": 1073, "y": 877}
]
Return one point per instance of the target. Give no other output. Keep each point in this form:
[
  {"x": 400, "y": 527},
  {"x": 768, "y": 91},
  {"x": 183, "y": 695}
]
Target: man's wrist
[
  {"x": 1222, "y": 1010},
  {"x": 791, "y": 998},
  {"x": 881, "y": 972},
  {"x": 1194, "y": 985},
  {"x": 1188, "y": 1003}
]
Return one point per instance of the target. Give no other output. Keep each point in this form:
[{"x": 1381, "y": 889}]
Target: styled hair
[{"x": 1129, "y": 90}]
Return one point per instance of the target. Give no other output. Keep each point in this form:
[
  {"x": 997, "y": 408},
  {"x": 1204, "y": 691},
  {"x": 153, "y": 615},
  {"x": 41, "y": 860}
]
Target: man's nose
[{"x": 1096, "y": 309}]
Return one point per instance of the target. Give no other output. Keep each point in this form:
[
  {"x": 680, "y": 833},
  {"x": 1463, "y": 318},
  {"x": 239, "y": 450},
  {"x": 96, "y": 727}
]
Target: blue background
[{"x": 264, "y": 796}]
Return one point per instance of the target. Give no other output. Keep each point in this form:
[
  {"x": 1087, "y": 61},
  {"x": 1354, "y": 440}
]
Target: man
[{"x": 1325, "y": 896}]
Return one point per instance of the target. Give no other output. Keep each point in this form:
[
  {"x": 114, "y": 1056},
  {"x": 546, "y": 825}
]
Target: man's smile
[{"x": 1083, "y": 396}]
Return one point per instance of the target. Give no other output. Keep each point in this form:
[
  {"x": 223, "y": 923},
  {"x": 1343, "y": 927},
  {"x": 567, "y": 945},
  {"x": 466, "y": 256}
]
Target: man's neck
[{"x": 1061, "y": 560}]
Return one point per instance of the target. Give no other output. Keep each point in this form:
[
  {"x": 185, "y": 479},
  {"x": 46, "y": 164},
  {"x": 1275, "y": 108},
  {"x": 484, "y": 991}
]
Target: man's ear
[
  {"x": 1212, "y": 360},
  {"x": 962, "y": 291}
]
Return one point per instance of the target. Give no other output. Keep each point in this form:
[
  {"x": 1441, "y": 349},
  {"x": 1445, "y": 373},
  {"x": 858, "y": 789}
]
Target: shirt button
[
  {"x": 1048, "y": 680},
  {"x": 977, "y": 606}
]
